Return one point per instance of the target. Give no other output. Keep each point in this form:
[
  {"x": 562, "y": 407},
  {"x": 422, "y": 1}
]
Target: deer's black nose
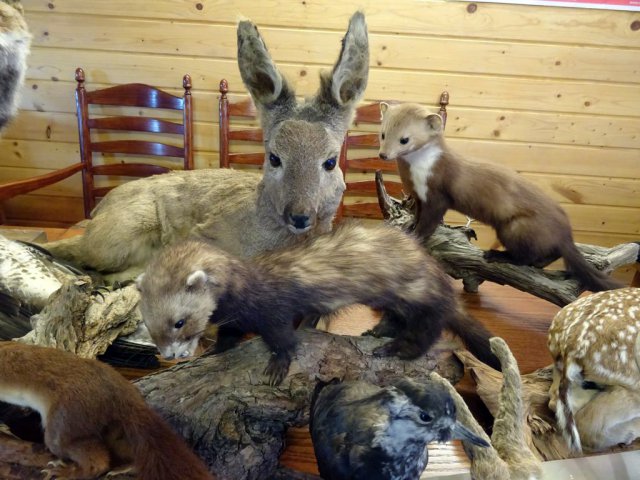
[
  {"x": 299, "y": 221},
  {"x": 383, "y": 156}
]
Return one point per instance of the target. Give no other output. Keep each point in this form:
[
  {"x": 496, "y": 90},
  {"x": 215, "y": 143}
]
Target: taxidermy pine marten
[
  {"x": 191, "y": 284},
  {"x": 93, "y": 416},
  {"x": 532, "y": 227}
]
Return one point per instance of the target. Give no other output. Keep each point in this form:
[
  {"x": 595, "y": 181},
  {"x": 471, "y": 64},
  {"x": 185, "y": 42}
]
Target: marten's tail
[
  {"x": 160, "y": 453},
  {"x": 564, "y": 414},
  {"x": 590, "y": 277},
  {"x": 475, "y": 336}
]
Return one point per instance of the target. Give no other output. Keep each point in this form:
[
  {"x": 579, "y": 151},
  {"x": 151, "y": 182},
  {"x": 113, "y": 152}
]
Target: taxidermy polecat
[
  {"x": 532, "y": 227},
  {"x": 191, "y": 284},
  {"x": 93, "y": 416}
]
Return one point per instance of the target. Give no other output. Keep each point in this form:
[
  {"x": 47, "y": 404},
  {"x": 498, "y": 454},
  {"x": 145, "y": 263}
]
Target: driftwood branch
[
  {"x": 461, "y": 259},
  {"x": 237, "y": 423}
]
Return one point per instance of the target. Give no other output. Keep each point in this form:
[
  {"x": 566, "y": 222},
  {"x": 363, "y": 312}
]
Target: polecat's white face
[
  {"x": 176, "y": 315},
  {"x": 406, "y": 128}
]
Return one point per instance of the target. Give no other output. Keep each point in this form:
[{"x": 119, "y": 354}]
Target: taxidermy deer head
[
  {"x": 302, "y": 184},
  {"x": 14, "y": 48}
]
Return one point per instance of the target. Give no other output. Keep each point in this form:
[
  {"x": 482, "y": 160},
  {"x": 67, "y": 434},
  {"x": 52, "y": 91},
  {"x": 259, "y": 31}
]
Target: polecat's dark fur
[{"x": 193, "y": 283}]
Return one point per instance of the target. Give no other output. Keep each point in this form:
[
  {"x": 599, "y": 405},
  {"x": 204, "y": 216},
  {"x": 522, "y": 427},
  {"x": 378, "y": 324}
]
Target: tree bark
[
  {"x": 237, "y": 423},
  {"x": 461, "y": 259}
]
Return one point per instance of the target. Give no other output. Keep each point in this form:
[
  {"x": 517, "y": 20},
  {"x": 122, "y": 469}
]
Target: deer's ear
[
  {"x": 384, "y": 106},
  {"x": 259, "y": 74},
  {"x": 343, "y": 87},
  {"x": 351, "y": 71}
]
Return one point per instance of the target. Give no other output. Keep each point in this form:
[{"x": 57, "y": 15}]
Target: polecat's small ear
[
  {"x": 197, "y": 279},
  {"x": 139, "y": 282},
  {"x": 435, "y": 122},
  {"x": 384, "y": 106}
]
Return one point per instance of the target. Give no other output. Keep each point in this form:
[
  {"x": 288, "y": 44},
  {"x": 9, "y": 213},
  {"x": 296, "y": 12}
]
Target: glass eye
[
  {"x": 382, "y": 135},
  {"x": 404, "y": 140},
  {"x": 425, "y": 417},
  {"x": 179, "y": 324},
  {"x": 330, "y": 164},
  {"x": 274, "y": 160}
]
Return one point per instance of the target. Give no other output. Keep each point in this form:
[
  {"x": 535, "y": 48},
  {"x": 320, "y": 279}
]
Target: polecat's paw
[
  {"x": 277, "y": 369},
  {"x": 399, "y": 348},
  {"x": 492, "y": 256},
  {"x": 370, "y": 333}
]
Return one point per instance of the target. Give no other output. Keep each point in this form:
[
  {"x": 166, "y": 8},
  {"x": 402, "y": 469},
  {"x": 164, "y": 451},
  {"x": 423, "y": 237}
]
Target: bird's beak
[{"x": 460, "y": 432}]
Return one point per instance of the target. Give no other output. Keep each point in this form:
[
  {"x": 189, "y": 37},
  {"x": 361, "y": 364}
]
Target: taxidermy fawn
[
  {"x": 15, "y": 40},
  {"x": 93, "y": 416},
  {"x": 297, "y": 196},
  {"x": 532, "y": 227}
]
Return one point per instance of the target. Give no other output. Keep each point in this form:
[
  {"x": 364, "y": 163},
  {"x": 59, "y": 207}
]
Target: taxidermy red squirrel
[
  {"x": 93, "y": 416},
  {"x": 532, "y": 227},
  {"x": 192, "y": 284}
]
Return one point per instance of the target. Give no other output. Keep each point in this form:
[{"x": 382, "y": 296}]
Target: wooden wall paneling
[
  {"x": 438, "y": 53},
  {"x": 498, "y": 92},
  {"x": 503, "y": 21}
]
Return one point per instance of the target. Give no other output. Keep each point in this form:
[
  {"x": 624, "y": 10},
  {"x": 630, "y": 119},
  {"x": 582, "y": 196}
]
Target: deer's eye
[
  {"x": 382, "y": 135},
  {"x": 330, "y": 164},
  {"x": 404, "y": 140},
  {"x": 274, "y": 160},
  {"x": 179, "y": 324}
]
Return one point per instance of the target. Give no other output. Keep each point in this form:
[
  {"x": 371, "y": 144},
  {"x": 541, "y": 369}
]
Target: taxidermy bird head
[{"x": 362, "y": 431}]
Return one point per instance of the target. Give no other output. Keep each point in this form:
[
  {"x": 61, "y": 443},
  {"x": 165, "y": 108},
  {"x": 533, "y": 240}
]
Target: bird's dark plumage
[{"x": 362, "y": 431}]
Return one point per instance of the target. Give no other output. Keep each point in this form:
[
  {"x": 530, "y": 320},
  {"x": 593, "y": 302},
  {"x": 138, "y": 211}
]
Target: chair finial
[
  {"x": 224, "y": 86},
  {"x": 186, "y": 83},
  {"x": 79, "y": 76},
  {"x": 444, "y": 99}
]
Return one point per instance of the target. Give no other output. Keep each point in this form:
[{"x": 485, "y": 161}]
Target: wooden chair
[
  {"x": 252, "y": 136},
  {"x": 353, "y": 162},
  {"x": 129, "y": 95}
]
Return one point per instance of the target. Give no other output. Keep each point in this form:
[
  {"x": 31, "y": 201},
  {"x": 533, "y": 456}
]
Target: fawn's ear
[
  {"x": 139, "y": 282},
  {"x": 435, "y": 122},
  {"x": 259, "y": 74}
]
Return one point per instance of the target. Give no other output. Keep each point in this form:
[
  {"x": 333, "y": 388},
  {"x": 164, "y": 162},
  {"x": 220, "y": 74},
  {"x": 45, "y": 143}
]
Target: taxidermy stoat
[
  {"x": 191, "y": 284},
  {"x": 93, "y": 416},
  {"x": 532, "y": 227}
]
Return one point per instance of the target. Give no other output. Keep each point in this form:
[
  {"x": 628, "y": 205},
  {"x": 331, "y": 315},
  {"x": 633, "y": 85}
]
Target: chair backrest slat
[
  {"x": 135, "y": 95},
  {"x": 136, "y": 124},
  {"x": 137, "y": 147},
  {"x": 130, "y": 169}
]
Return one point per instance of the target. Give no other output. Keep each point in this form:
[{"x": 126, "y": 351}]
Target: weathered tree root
[
  {"x": 461, "y": 259},
  {"x": 237, "y": 423}
]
